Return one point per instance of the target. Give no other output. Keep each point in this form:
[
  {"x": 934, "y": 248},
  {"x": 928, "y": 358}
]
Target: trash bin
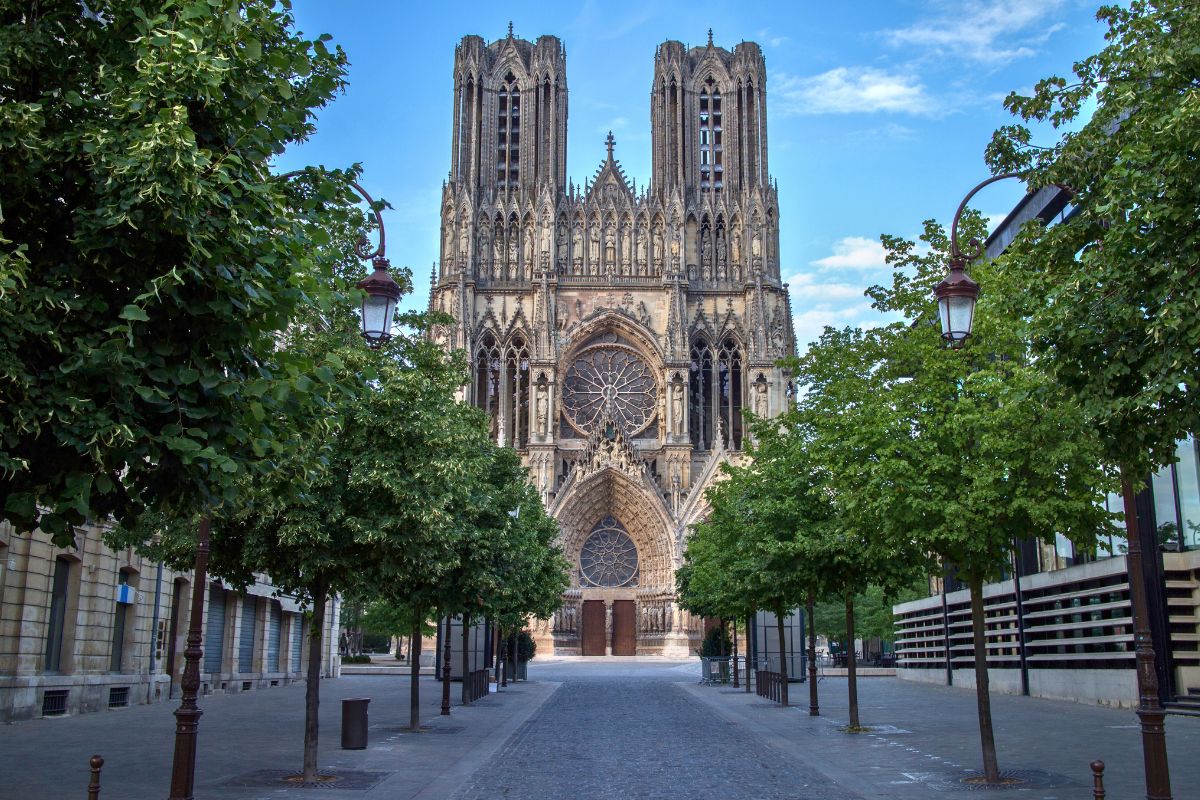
[{"x": 354, "y": 723}]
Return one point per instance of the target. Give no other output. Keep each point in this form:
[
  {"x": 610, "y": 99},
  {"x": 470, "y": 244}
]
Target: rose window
[
  {"x": 609, "y": 557},
  {"x": 610, "y": 376}
]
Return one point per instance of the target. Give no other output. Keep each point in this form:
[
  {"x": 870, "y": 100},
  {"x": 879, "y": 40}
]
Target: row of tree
[
  {"x": 903, "y": 458},
  {"x": 178, "y": 337}
]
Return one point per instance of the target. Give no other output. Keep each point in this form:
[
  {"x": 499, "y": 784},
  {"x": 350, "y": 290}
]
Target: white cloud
[
  {"x": 811, "y": 323},
  {"x": 807, "y": 289},
  {"x": 851, "y": 90},
  {"x": 854, "y": 252},
  {"x": 990, "y": 31},
  {"x": 765, "y": 37}
]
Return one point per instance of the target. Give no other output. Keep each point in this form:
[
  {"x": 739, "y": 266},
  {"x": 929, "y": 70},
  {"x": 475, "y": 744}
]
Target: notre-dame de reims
[{"x": 617, "y": 331}]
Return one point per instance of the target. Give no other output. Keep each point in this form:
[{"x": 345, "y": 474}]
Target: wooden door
[
  {"x": 593, "y": 627},
  {"x": 624, "y": 633}
]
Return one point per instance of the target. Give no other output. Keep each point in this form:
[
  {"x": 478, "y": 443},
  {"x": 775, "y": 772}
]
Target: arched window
[
  {"x": 729, "y": 368},
  {"x": 709, "y": 131},
  {"x": 700, "y": 417},
  {"x": 508, "y": 133},
  {"x": 716, "y": 393},
  {"x": 487, "y": 379},
  {"x": 517, "y": 396}
]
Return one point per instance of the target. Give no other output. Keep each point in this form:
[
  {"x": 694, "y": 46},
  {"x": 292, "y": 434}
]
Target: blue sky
[{"x": 878, "y": 112}]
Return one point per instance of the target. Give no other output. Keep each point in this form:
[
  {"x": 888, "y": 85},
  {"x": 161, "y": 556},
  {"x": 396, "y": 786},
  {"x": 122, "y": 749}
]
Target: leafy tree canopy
[
  {"x": 148, "y": 258},
  {"x": 1112, "y": 293}
]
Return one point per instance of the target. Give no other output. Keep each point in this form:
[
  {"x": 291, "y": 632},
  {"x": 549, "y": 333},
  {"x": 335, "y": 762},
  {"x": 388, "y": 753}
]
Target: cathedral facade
[{"x": 617, "y": 332}]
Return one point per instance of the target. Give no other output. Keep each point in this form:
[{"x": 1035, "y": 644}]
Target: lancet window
[
  {"x": 502, "y": 384},
  {"x": 508, "y": 133},
  {"x": 712, "y": 170},
  {"x": 717, "y": 387}
]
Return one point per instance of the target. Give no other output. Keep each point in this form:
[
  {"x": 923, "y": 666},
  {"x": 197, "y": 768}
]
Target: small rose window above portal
[{"x": 609, "y": 558}]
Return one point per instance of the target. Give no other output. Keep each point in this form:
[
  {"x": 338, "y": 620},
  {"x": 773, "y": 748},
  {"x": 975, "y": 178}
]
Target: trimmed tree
[
  {"x": 147, "y": 255},
  {"x": 965, "y": 450}
]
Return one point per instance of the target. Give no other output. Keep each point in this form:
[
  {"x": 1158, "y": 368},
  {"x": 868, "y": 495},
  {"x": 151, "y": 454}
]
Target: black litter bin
[{"x": 354, "y": 723}]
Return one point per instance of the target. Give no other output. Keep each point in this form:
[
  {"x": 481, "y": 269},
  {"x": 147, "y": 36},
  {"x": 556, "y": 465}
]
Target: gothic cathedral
[{"x": 616, "y": 332}]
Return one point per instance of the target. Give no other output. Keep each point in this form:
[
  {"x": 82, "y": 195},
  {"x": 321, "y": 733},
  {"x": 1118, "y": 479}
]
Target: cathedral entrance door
[
  {"x": 624, "y": 629},
  {"x": 593, "y": 628}
]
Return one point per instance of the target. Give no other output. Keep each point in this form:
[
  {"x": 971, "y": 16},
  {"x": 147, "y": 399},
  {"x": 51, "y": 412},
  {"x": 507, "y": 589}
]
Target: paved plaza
[{"x": 633, "y": 729}]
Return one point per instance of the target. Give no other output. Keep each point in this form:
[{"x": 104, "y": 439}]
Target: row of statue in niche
[{"x": 510, "y": 256}]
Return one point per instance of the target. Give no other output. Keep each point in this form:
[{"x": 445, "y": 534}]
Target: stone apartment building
[{"x": 88, "y": 628}]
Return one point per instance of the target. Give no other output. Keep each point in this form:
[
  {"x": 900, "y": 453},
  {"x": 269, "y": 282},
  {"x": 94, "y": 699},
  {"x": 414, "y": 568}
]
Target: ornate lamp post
[
  {"x": 956, "y": 297},
  {"x": 378, "y": 312}
]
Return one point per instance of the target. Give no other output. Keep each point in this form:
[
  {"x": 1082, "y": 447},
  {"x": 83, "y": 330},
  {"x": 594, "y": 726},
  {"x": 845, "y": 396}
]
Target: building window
[
  {"x": 1176, "y": 489},
  {"x": 729, "y": 369},
  {"x": 502, "y": 388},
  {"x": 716, "y": 389},
  {"x": 518, "y": 394},
  {"x": 508, "y": 133},
  {"x": 56, "y": 630}
]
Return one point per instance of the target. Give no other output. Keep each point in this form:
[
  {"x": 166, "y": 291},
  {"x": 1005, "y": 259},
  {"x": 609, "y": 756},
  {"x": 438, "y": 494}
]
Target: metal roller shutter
[
  {"x": 274, "y": 618},
  {"x": 246, "y": 640},
  {"x": 297, "y": 631},
  {"x": 214, "y": 634}
]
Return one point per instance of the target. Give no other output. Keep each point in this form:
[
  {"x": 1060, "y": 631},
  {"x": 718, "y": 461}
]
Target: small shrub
[
  {"x": 716, "y": 643},
  {"x": 526, "y": 646}
]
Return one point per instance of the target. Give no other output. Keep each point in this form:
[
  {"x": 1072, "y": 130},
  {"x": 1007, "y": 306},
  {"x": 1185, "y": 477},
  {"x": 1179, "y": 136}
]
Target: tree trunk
[
  {"x": 733, "y": 663},
  {"x": 851, "y": 663},
  {"x": 783, "y": 673},
  {"x": 991, "y": 769},
  {"x": 414, "y": 683},
  {"x": 312, "y": 688},
  {"x": 466, "y": 660},
  {"x": 814, "y": 708}
]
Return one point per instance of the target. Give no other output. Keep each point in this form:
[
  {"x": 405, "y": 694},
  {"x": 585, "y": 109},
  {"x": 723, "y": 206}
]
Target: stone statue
[
  {"x": 594, "y": 249},
  {"x": 610, "y": 247},
  {"x": 735, "y": 248},
  {"x": 760, "y": 399},
  {"x": 677, "y": 408},
  {"x": 756, "y": 245},
  {"x": 543, "y": 409},
  {"x": 577, "y": 247},
  {"x": 641, "y": 248},
  {"x": 546, "y": 239},
  {"x": 626, "y": 249},
  {"x": 464, "y": 241}
]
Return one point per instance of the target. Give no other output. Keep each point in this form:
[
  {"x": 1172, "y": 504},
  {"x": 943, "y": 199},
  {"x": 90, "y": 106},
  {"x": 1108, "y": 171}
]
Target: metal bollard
[
  {"x": 354, "y": 723},
  {"x": 94, "y": 784},
  {"x": 1098, "y": 780}
]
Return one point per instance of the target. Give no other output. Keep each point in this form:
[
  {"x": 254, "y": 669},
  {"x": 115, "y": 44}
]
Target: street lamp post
[
  {"x": 956, "y": 296},
  {"x": 382, "y": 294}
]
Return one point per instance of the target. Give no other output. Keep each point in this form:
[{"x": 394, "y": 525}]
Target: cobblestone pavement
[{"x": 630, "y": 731}]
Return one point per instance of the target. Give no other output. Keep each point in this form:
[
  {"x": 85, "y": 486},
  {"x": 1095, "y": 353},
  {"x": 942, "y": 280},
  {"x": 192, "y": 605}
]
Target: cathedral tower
[{"x": 617, "y": 332}]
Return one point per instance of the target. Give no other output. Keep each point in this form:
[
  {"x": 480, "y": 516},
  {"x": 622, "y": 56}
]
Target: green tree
[
  {"x": 964, "y": 451},
  {"x": 1111, "y": 293},
  {"x": 147, "y": 256}
]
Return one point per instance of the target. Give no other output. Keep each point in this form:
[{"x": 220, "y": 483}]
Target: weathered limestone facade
[
  {"x": 78, "y": 630},
  {"x": 617, "y": 332}
]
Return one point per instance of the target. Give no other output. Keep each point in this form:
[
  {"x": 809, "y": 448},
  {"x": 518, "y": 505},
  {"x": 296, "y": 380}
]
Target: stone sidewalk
[
  {"x": 244, "y": 737},
  {"x": 926, "y": 738}
]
